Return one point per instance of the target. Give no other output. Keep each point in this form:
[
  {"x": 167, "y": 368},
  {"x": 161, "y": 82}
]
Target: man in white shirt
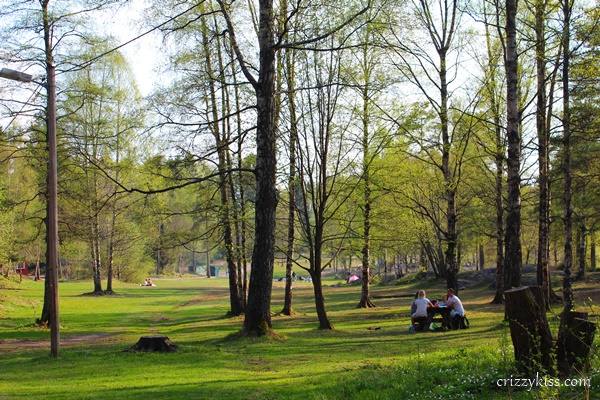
[{"x": 454, "y": 304}]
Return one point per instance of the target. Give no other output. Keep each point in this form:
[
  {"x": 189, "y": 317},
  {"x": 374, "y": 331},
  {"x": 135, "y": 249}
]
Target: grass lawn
[{"x": 355, "y": 361}]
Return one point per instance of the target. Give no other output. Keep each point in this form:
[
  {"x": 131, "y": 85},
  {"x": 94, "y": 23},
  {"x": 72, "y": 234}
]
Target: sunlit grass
[{"x": 355, "y": 361}]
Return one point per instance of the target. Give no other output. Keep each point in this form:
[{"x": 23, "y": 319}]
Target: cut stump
[
  {"x": 156, "y": 343},
  {"x": 575, "y": 339},
  {"x": 529, "y": 329}
]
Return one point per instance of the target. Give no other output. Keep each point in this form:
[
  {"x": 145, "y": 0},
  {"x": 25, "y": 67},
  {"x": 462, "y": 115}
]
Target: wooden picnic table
[{"x": 444, "y": 315}]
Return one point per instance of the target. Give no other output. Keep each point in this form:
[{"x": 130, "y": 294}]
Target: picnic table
[{"x": 444, "y": 315}]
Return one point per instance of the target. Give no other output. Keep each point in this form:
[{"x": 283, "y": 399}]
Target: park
[
  {"x": 369, "y": 355},
  {"x": 307, "y": 199}
]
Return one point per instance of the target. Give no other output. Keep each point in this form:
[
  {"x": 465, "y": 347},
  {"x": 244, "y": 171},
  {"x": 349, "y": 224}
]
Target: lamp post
[
  {"x": 15, "y": 75},
  {"x": 51, "y": 192}
]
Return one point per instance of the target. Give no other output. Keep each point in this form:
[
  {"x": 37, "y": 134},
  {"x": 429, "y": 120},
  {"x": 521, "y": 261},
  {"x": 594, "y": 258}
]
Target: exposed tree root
[{"x": 365, "y": 303}]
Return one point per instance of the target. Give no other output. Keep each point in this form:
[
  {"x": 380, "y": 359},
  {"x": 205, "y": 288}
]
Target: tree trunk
[
  {"x": 110, "y": 260},
  {"x": 512, "y": 254},
  {"x": 234, "y": 290},
  {"x": 44, "y": 319},
  {"x": 451, "y": 235},
  {"x": 290, "y": 76},
  {"x": 499, "y": 178},
  {"x": 221, "y": 145},
  {"x": 315, "y": 274},
  {"x": 430, "y": 254},
  {"x": 225, "y": 138},
  {"x": 566, "y": 150},
  {"x": 365, "y": 301},
  {"x": 529, "y": 329},
  {"x": 94, "y": 218},
  {"x": 159, "y": 249},
  {"x": 575, "y": 340},
  {"x": 452, "y": 282},
  {"x": 543, "y": 153},
  {"x": 582, "y": 250},
  {"x": 385, "y": 271},
  {"x": 241, "y": 224},
  {"x": 258, "y": 312},
  {"x": 593, "y": 251},
  {"x": 95, "y": 255},
  {"x": 37, "y": 266},
  {"x": 208, "y": 274},
  {"x": 481, "y": 257},
  {"x": 113, "y": 219}
]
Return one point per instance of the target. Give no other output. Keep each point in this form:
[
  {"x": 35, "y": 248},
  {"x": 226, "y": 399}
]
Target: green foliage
[{"x": 7, "y": 228}]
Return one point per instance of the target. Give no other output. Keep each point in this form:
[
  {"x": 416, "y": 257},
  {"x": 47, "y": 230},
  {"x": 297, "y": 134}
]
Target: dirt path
[
  {"x": 207, "y": 295},
  {"x": 8, "y": 345}
]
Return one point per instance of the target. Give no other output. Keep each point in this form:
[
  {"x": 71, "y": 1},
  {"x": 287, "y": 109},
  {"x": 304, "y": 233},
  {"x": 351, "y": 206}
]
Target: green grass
[{"x": 351, "y": 362}]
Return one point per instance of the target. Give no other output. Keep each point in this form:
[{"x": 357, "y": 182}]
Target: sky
[
  {"x": 144, "y": 56},
  {"x": 125, "y": 22}
]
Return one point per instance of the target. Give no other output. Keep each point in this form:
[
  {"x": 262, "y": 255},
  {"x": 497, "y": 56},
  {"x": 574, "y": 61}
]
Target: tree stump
[
  {"x": 529, "y": 329},
  {"x": 157, "y": 343},
  {"x": 575, "y": 339}
]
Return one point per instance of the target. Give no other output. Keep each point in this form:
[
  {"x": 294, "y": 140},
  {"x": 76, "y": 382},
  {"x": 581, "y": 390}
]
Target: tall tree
[
  {"x": 368, "y": 61},
  {"x": 439, "y": 19},
  {"x": 498, "y": 149},
  {"x": 512, "y": 253},
  {"x": 566, "y": 157},
  {"x": 321, "y": 166},
  {"x": 543, "y": 136},
  {"x": 222, "y": 148},
  {"x": 257, "y": 319},
  {"x": 292, "y": 178}
]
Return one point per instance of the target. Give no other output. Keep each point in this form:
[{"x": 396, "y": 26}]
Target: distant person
[
  {"x": 421, "y": 304},
  {"x": 454, "y": 304},
  {"x": 148, "y": 282}
]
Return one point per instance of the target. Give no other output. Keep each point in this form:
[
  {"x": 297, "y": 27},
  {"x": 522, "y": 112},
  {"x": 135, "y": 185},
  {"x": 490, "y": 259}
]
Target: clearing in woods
[{"x": 369, "y": 355}]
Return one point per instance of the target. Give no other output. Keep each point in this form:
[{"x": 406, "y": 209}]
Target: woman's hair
[
  {"x": 417, "y": 294},
  {"x": 421, "y": 294}
]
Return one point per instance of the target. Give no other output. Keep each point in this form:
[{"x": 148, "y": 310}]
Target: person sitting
[
  {"x": 420, "y": 317},
  {"x": 457, "y": 312},
  {"x": 148, "y": 283},
  {"x": 413, "y": 306}
]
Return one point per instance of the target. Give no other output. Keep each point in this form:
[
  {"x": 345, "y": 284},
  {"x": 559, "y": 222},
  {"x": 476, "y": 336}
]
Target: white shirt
[
  {"x": 455, "y": 304},
  {"x": 421, "y": 305}
]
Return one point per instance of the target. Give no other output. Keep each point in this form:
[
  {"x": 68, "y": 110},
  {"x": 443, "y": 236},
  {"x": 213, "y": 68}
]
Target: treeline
[{"x": 435, "y": 133}]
